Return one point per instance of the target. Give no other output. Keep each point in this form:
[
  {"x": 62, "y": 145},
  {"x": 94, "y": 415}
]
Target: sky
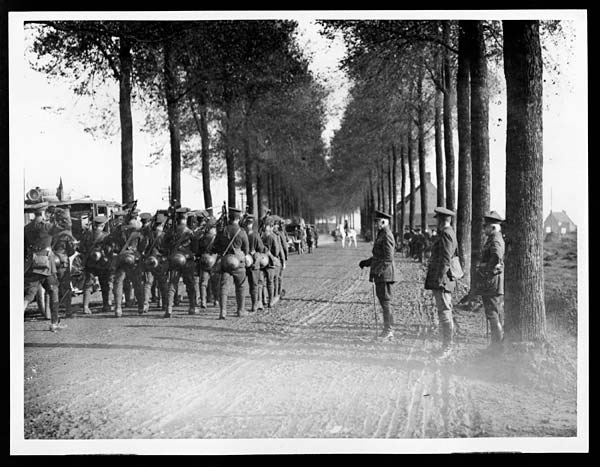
[{"x": 52, "y": 143}]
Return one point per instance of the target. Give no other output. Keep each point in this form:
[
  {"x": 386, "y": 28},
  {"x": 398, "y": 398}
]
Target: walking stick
[{"x": 375, "y": 310}]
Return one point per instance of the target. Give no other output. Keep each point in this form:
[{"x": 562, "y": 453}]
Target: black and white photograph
[{"x": 298, "y": 231}]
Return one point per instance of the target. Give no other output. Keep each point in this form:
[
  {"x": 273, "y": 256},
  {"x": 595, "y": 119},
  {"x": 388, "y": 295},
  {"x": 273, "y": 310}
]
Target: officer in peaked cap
[
  {"x": 145, "y": 218},
  {"x": 490, "y": 277},
  {"x": 383, "y": 269},
  {"x": 439, "y": 275}
]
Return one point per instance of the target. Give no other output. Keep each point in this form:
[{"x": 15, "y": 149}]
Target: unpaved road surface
[{"x": 309, "y": 368}]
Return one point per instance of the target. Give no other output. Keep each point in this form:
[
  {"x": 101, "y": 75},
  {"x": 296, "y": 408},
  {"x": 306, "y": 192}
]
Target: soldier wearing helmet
[
  {"x": 232, "y": 246},
  {"x": 123, "y": 243},
  {"x": 40, "y": 267},
  {"x": 153, "y": 265},
  {"x": 96, "y": 263},
  {"x": 64, "y": 247},
  {"x": 276, "y": 256},
  {"x": 256, "y": 249},
  {"x": 208, "y": 278},
  {"x": 179, "y": 242}
]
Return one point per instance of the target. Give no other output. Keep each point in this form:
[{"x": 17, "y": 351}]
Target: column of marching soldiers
[{"x": 151, "y": 254}]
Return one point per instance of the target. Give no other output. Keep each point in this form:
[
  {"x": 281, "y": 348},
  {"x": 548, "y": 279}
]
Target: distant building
[
  {"x": 431, "y": 204},
  {"x": 559, "y": 223}
]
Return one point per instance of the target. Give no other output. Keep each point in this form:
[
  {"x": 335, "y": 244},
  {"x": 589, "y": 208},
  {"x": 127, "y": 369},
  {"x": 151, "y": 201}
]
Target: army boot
[
  {"x": 447, "y": 337},
  {"x": 55, "y": 321},
  {"x": 223, "y": 306},
  {"x": 259, "y": 298},
  {"x": 240, "y": 299},
  {"x": 496, "y": 346},
  {"x": 87, "y": 296}
]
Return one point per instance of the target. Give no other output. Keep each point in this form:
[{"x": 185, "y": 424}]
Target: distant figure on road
[
  {"x": 382, "y": 269},
  {"x": 439, "y": 276},
  {"x": 490, "y": 277}
]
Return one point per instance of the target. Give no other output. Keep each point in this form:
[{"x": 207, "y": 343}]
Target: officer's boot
[
  {"x": 203, "y": 295},
  {"x": 87, "y": 297},
  {"x": 105, "y": 290},
  {"x": 447, "y": 337},
  {"x": 240, "y": 299},
  {"x": 257, "y": 305},
  {"x": 223, "y": 306},
  {"x": 270, "y": 293},
  {"x": 169, "y": 299},
  {"x": 496, "y": 334},
  {"x": 118, "y": 299},
  {"x": 55, "y": 321},
  {"x": 193, "y": 298},
  {"x": 387, "y": 332}
]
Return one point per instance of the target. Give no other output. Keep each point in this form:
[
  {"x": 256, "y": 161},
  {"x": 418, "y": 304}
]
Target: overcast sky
[{"x": 51, "y": 141}]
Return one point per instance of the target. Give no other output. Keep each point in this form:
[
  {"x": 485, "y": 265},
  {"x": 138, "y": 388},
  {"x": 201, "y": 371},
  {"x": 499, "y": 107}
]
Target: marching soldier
[
  {"x": 309, "y": 238},
  {"x": 279, "y": 230},
  {"x": 40, "y": 266},
  {"x": 382, "y": 269},
  {"x": 96, "y": 263},
  {"x": 145, "y": 219},
  {"x": 179, "y": 243},
  {"x": 440, "y": 278},
  {"x": 232, "y": 246},
  {"x": 490, "y": 280},
  {"x": 272, "y": 244},
  {"x": 208, "y": 279},
  {"x": 153, "y": 264},
  {"x": 123, "y": 242},
  {"x": 64, "y": 247},
  {"x": 255, "y": 245}
]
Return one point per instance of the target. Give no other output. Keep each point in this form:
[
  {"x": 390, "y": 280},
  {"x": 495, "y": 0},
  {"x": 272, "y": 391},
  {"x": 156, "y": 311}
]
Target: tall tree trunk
[
  {"x": 448, "y": 140},
  {"x": 126, "y": 121},
  {"x": 463, "y": 112},
  {"x": 249, "y": 178},
  {"x": 259, "y": 191},
  {"x": 395, "y": 189},
  {"x": 439, "y": 152},
  {"x": 403, "y": 151},
  {"x": 202, "y": 126},
  {"x": 479, "y": 142},
  {"x": 379, "y": 195},
  {"x": 421, "y": 152},
  {"x": 525, "y": 313},
  {"x": 173, "y": 115},
  {"x": 391, "y": 189},
  {"x": 411, "y": 176}
]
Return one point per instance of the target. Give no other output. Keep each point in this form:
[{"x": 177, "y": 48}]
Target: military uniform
[
  {"x": 40, "y": 266},
  {"x": 232, "y": 240},
  {"x": 382, "y": 271},
  {"x": 208, "y": 278},
  {"x": 255, "y": 275},
  {"x": 283, "y": 241},
  {"x": 64, "y": 248},
  {"x": 152, "y": 245},
  {"x": 439, "y": 276},
  {"x": 272, "y": 244},
  {"x": 490, "y": 277},
  {"x": 181, "y": 240},
  {"x": 92, "y": 246},
  {"x": 309, "y": 238},
  {"x": 122, "y": 241}
]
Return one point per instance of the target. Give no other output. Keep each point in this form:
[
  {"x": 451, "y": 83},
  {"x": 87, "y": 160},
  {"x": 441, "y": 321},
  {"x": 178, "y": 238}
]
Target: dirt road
[{"x": 308, "y": 368}]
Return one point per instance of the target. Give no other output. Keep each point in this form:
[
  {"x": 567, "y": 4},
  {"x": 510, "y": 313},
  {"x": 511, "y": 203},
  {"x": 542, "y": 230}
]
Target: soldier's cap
[
  {"x": 441, "y": 211},
  {"x": 160, "y": 218},
  {"x": 493, "y": 218},
  {"x": 135, "y": 212},
  {"x": 382, "y": 215},
  {"x": 211, "y": 222},
  {"x": 182, "y": 210},
  {"x": 100, "y": 219},
  {"x": 250, "y": 218},
  {"x": 119, "y": 212},
  {"x": 145, "y": 216},
  {"x": 201, "y": 213}
]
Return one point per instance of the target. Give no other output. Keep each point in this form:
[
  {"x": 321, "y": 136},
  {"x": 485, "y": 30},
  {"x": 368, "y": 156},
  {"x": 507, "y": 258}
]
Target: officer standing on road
[
  {"x": 64, "y": 247},
  {"x": 274, "y": 251},
  {"x": 255, "y": 245},
  {"x": 232, "y": 240},
  {"x": 383, "y": 269},
  {"x": 490, "y": 277},
  {"x": 40, "y": 267},
  {"x": 279, "y": 230},
  {"x": 179, "y": 242},
  {"x": 439, "y": 276},
  {"x": 96, "y": 263}
]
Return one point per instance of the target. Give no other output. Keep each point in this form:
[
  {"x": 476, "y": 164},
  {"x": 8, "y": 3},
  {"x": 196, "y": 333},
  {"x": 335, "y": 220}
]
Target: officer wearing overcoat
[
  {"x": 280, "y": 231},
  {"x": 383, "y": 269},
  {"x": 96, "y": 263},
  {"x": 274, "y": 251},
  {"x": 439, "y": 275},
  {"x": 490, "y": 276},
  {"x": 255, "y": 275},
  {"x": 180, "y": 240},
  {"x": 40, "y": 266},
  {"x": 232, "y": 240}
]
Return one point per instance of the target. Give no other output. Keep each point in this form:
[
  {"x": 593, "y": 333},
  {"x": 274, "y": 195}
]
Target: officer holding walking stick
[{"x": 382, "y": 269}]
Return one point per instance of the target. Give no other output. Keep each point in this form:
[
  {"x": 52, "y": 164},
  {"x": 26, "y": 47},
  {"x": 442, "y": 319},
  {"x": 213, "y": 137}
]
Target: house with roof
[
  {"x": 559, "y": 223},
  {"x": 431, "y": 204}
]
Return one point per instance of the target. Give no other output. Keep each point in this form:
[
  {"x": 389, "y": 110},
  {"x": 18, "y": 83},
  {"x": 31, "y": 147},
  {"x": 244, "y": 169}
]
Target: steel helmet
[
  {"x": 95, "y": 255},
  {"x": 127, "y": 258},
  {"x": 151, "y": 262},
  {"x": 263, "y": 261},
  {"x": 177, "y": 260},
  {"x": 207, "y": 261},
  {"x": 249, "y": 261},
  {"x": 230, "y": 263}
]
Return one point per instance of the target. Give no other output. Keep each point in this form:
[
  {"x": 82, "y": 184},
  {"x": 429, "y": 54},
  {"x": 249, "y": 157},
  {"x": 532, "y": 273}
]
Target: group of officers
[
  {"x": 443, "y": 271},
  {"x": 146, "y": 251}
]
